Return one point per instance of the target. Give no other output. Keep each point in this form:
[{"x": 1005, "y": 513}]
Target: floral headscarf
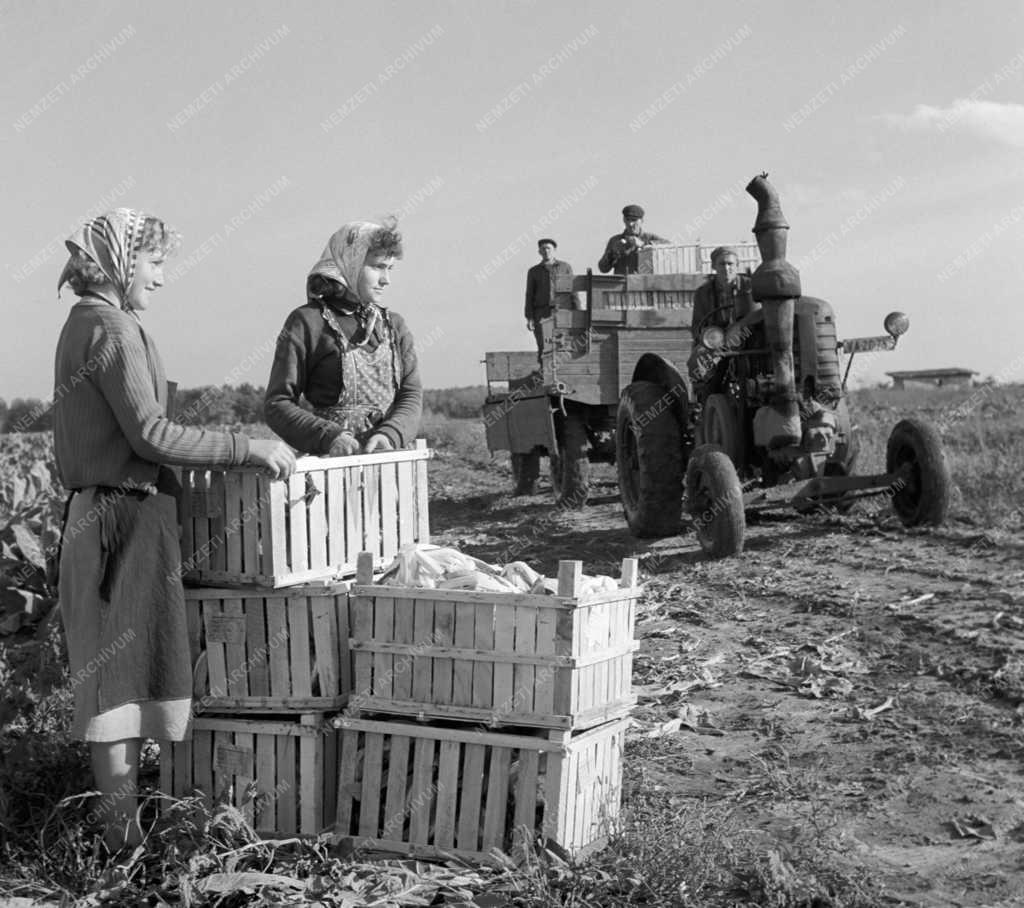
[
  {"x": 113, "y": 242},
  {"x": 341, "y": 261}
]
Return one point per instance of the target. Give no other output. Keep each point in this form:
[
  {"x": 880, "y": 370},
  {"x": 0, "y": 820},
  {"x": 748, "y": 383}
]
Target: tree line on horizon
[{"x": 229, "y": 405}]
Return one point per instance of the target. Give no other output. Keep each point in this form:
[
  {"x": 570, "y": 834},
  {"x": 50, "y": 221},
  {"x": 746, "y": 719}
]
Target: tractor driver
[
  {"x": 726, "y": 291},
  {"x": 621, "y": 251}
]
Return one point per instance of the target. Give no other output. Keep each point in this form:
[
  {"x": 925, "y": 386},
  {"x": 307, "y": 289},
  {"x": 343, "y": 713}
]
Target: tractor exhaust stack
[{"x": 776, "y": 285}]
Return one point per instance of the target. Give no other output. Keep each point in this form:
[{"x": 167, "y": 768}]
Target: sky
[{"x": 893, "y": 132}]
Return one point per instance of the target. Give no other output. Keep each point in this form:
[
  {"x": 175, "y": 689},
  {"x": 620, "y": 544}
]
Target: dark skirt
[{"x": 123, "y": 604}]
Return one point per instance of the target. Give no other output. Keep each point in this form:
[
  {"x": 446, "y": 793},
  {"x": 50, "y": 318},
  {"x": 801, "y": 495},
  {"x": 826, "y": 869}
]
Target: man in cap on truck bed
[
  {"x": 621, "y": 253},
  {"x": 541, "y": 297}
]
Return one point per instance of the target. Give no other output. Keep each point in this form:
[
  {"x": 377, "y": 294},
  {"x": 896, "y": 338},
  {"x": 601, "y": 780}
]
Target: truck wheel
[
  {"x": 720, "y": 426},
  {"x": 922, "y": 492},
  {"x": 570, "y": 467},
  {"x": 649, "y": 458},
  {"x": 525, "y": 470},
  {"x": 715, "y": 502}
]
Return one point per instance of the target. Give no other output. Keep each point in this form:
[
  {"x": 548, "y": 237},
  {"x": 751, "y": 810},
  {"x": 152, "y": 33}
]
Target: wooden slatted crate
[
  {"x": 280, "y": 774},
  {"x": 428, "y": 791},
  {"x": 673, "y": 258},
  {"x": 499, "y": 658},
  {"x": 240, "y": 527},
  {"x": 269, "y": 650}
]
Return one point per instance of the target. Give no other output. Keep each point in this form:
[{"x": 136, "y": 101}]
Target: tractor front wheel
[
  {"x": 649, "y": 458},
  {"x": 714, "y": 500},
  {"x": 720, "y": 426},
  {"x": 922, "y": 488},
  {"x": 570, "y": 466}
]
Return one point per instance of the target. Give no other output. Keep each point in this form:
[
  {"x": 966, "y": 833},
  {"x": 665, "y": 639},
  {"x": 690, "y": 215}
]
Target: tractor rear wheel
[
  {"x": 921, "y": 494},
  {"x": 570, "y": 466},
  {"x": 649, "y": 459},
  {"x": 714, "y": 500},
  {"x": 720, "y": 426},
  {"x": 525, "y": 470}
]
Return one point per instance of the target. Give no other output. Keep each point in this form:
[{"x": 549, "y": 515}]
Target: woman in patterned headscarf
[
  {"x": 120, "y": 587},
  {"x": 351, "y": 358}
]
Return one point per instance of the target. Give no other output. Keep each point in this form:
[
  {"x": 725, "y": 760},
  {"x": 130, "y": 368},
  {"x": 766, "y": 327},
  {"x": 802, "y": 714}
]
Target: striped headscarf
[{"x": 112, "y": 241}]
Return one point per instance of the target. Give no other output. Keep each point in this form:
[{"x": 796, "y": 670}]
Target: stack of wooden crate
[
  {"x": 526, "y": 697},
  {"x": 268, "y": 624}
]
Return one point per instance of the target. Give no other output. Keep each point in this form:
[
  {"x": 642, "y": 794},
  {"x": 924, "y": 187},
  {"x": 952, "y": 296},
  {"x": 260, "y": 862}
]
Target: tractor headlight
[
  {"x": 896, "y": 324},
  {"x": 713, "y": 338}
]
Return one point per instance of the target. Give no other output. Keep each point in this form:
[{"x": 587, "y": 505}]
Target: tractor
[{"x": 765, "y": 425}]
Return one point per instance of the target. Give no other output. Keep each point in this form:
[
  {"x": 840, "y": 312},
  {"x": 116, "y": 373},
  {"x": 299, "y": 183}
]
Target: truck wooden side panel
[{"x": 590, "y": 360}]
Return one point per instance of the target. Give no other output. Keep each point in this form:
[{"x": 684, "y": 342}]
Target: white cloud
[{"x": 999, "y": 121}]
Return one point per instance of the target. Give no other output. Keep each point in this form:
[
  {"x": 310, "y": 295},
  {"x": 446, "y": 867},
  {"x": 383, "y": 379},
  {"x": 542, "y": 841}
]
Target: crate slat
[
  {"x": 316, "y": 509},
  {"x": 406, "y": 479},
  {"x": 524, "y": 675},
  {"x": 324, "y": 616},
  {"x": 389, "y": 507},
  {"x": 423, "y": 635},
  {"x": 422, "y": 791},
  {"x": 336, "y": 553},
  {"x": 447, "y": 794},
  {"x": 472, "y": 791},
  {"x": 497, "y": 798},
  {"x": 371, "y": 510},
  {"x": 398, "y": 776},
  {"x": 233, "y": 521},
  {"x": 462, "y": 669},
  {"x": 403, "y": 664},
  {"x": 383, "y": 663},
  {"x": 256, "y": 641},
  {"x": 216, "y": 508},
  {"x": 483, "y": 639},
  {"x": 354, "y": 536},
  {"x": 235, "y": 648},
  {"x": 266, "y": 770}
]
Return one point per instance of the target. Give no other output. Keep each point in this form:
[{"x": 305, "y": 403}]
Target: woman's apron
[{"x": 369, "y": 381}]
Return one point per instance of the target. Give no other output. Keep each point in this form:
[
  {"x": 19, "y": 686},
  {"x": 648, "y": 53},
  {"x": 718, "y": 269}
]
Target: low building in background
[{"x": 932, "y": 378}]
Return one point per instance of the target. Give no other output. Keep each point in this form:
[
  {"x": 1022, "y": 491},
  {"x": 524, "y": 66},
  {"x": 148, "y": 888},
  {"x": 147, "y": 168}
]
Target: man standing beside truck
[
  {"x": 621, "y": 252},
  {"x": 541, "y": 298}
]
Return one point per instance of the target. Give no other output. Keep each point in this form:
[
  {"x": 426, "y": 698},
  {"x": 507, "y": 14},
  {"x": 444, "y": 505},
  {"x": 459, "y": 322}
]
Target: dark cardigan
[{"x": 307, "y": 364}]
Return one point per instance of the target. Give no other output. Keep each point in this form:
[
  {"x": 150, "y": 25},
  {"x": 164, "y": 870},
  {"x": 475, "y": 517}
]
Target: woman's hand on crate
[
  {"x": 378, "y": 442},
  {"x": 275, "y": 457},
  {"x": 345, "y": 445}
]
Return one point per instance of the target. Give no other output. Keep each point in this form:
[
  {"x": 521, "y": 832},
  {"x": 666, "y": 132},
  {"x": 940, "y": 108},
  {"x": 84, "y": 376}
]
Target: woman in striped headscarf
[
  {"x": 350, "y": 357},
  {"x": 120, "y": 586}
]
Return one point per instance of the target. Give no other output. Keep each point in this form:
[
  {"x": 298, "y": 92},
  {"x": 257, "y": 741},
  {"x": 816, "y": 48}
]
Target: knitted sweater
[
  {"x": 110, "y": 397},
  {"x": 307, "y": 363}
]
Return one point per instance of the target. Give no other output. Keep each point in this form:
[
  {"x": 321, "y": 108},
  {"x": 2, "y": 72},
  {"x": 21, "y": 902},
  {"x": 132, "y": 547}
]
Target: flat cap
[
  {"x": 541, "y": 242},
  {"x": 720, "y": 251},
  {"x": 633, "y": 211}
]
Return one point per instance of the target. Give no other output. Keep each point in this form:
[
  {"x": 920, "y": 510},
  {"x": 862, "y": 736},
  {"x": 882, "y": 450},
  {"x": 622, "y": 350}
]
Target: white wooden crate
[
  {"x": 240, "y": 527},
  {"x": 682, "y": 258},
  {"x": 281, "y": 773},
  {"x": 263, "y": 650},
  {"x": 429, "y": 791},
  {"x": 500, "y": 658}
]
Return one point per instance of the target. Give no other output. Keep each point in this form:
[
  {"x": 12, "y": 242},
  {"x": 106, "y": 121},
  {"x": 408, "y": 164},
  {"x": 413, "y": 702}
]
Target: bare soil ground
[{"x": 845, "y": 686}]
